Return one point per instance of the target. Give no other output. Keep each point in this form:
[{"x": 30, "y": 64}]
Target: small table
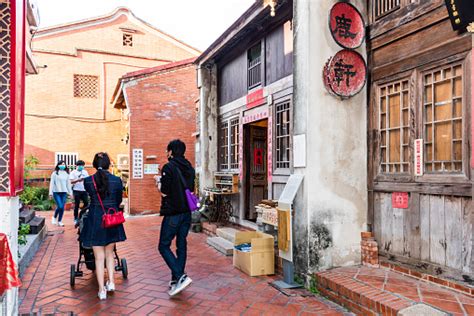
[{"x": 218, "y": 203}]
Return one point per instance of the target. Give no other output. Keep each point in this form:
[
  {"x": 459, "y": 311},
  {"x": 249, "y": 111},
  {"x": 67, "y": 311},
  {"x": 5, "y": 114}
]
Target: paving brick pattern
[
  {"x": 365, "y": 290},
  {"x": 218, "y": 288}
]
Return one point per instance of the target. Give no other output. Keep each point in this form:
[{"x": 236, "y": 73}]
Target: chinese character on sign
[
  {"x": 400, "y": 200},
  {"x": 342, "y": 72},
  {"x": 346, "y": 25},
  {"x": 343, "y": 27},
  {"x": 345, "y": 74}
]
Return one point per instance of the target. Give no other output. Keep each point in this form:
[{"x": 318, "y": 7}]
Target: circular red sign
[
  {"x": 346, "y": 25},
  {"x": 345, "y": 74}
]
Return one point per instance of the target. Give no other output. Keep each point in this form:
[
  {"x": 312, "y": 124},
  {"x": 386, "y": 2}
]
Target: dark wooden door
[{"x": 257, "y": 169}]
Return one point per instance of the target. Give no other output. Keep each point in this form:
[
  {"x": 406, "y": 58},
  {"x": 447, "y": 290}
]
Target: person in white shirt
[
  {"x": 59, "y": 189},
  {"x": 77, "y": 180}
]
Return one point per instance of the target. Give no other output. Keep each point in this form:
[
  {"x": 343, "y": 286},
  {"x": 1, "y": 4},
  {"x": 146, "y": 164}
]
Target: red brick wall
[{"x": 162, "y": 107}]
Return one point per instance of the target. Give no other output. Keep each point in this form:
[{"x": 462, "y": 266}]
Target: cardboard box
[{"x": 261, "y": 259}]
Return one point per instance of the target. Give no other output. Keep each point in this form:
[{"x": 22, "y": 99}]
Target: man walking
[
  {"x": 177, "y": 176},
  {"x": 77, "y": 180}
]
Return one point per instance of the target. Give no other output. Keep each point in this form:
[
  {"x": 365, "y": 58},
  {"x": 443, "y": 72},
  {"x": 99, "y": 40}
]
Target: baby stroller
[{"x": 86, "y": 255}]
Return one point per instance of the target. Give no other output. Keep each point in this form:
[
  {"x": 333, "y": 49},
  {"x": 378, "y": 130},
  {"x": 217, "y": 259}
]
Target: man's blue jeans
[
  {"x": 175, "y": 226},
  {"x": 60, "y": 200}
]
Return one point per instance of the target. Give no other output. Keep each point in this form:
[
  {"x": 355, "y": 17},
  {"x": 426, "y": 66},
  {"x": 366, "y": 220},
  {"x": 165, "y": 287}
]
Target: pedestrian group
[{"x": 102, "y": 229}]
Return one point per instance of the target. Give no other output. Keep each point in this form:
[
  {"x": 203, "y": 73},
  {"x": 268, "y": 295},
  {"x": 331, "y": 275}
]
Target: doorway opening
[{"x": 255, "y": 166}]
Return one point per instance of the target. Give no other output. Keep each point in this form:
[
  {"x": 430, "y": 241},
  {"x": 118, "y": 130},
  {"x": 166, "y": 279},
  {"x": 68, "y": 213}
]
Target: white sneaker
[
  {"x": 183, "y": 283},
  {"x": 110, "y": 287},
  {"x": 53, "y": 221},
  {"x": 60, "y": 224},
  {"x": 102, "y": 294}
]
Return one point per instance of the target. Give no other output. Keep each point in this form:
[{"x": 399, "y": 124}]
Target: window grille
[
  {"x": 69, "y": 157},
  {"x": 224, "y": 146},
  {"x": 394, "y": 126},
  {"x": 127, "y": 39},
  {"x": 86, "y": 86},
  {"x": 443, "y": 119},
  {"x": 229, "y": 144},
  {"x": 384, "y": 7},
  {"x": 234, "y": 143},
  {"x": 254, "y": 66},
  {"x": 282, "y": 135}
]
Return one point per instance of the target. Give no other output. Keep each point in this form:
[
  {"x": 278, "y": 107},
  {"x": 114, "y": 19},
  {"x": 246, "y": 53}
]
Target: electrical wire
[{"x": 84, "y": 120}]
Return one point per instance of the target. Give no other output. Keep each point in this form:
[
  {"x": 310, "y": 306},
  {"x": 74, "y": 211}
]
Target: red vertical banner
[
  {"x": 17, "y": 94},
  {"x": 241, "y": 149},
  {"x": 270, "y": 147}
]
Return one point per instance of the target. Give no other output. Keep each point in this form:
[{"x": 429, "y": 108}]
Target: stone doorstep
[
  {"x": 421, "y": 309},
  {"x": 26, "y": 216},
  {"x": 227, "y": 233},
  {"x": 222, "y": 245},
  {"x": 357, "y": 296}
]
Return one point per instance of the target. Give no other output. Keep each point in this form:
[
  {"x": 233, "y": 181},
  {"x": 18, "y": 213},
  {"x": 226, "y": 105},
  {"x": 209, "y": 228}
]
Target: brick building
[
  {"x": 160, "y": 105},
  {"x": 68, "y": 110}
]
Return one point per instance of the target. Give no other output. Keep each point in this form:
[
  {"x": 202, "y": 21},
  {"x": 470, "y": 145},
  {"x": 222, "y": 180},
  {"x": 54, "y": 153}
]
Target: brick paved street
[{"x": 218, "y": 288}]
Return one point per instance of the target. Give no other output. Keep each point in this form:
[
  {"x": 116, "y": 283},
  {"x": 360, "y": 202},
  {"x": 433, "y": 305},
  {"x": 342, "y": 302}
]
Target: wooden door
[{"x": 257, "y": 169}]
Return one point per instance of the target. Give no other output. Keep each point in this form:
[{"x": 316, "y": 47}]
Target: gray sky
[{"x": 196, "y": 22}]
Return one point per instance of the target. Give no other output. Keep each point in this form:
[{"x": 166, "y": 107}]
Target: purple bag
[
  {"x": 193, "y": 201},
  {"x": 191, "y": 198}
]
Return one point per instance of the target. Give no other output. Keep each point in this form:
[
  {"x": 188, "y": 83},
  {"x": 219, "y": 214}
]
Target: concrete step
[
  {"x": 36, "y": 224},
  {"x": 222, "y": 245},
  {"x": 27, "y": 252},
  {"x": 228, "y": 233},
  {"x": 26, "y": 216}
]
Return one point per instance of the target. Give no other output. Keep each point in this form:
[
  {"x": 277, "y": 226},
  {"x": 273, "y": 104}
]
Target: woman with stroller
[
  {"x": 108, "y": 188},
  {"x": 59, "y": 189}
]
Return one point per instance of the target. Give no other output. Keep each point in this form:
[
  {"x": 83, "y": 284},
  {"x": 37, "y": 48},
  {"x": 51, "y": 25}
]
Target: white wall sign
[
  {"x": 418, "y": 157},
  {"x": 152, "y": 168},
  {"x": 137, "y": 161},
  {"x": 299, "y": 151}
]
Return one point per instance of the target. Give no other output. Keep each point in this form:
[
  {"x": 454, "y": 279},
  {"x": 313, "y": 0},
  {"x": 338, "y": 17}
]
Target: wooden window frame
[
  {"x": 276, "y": 169},
  {"x": 403, "y": 128},
  {"x": 441, "y": 177},
  {"x": 416, "y": 92},
  {"x": 373, "y": 8},
  {"x": 259, "y": 65},
  {"x": 379, "y": 176},
  {"x": 231, "y": 161}
]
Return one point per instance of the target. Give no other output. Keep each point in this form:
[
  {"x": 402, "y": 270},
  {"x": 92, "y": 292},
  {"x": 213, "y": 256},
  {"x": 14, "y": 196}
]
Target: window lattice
[
  {"x": 254, "y": 66},
  {"x": 224, "y": 146},
  {"x": 234, "y": 143},
  {"x": 127, "y": 40},
  {"x": 86, "y": 86},
  {"x": 382, "y": 8},
  {"x": 442, "y": 119},
  {"x": 394, "y": 126},
  {"x": 282, "y": 130}
]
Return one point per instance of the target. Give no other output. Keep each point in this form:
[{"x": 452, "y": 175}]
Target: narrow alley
[{"x": 218, "y": 288}]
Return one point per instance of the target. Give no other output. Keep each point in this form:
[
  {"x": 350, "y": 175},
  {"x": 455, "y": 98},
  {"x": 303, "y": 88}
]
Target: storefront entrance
[{"x": 256, "y": 164}]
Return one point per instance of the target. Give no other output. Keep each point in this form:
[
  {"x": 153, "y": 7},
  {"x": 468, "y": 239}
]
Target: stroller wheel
[
  {"x": 72, "y": 277},
  {"x": 124, "y": 268}
]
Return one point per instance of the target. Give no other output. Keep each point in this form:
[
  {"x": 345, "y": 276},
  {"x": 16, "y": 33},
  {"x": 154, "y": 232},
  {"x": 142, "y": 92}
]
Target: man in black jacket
[{"x": 176, "y": 176}]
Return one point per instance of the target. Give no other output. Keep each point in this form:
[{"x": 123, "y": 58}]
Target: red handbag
[{"x": 111, "y": 217}]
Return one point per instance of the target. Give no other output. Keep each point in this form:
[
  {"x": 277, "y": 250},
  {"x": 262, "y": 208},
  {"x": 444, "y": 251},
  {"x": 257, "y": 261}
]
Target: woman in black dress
[{"x": 102, "y": 240}]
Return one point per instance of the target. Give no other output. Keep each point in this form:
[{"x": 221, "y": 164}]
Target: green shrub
[
  {"x": 37, "y": 197},
  {"x": 23, "y": 230}
]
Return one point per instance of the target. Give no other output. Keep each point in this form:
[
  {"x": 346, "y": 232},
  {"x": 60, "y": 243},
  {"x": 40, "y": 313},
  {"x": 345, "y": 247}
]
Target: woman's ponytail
[{"x": 102, "y": 163}]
